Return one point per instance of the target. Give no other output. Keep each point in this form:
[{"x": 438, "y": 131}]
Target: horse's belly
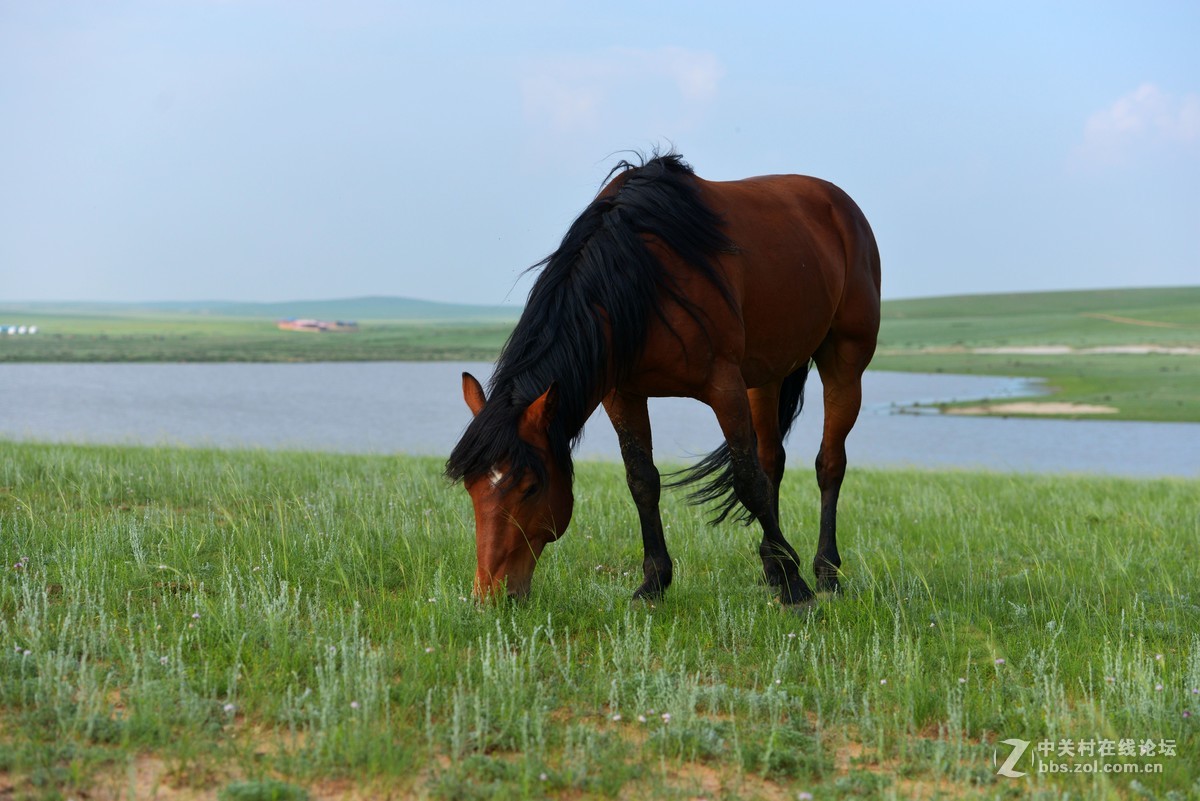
[{"x": 787, "y": 316}]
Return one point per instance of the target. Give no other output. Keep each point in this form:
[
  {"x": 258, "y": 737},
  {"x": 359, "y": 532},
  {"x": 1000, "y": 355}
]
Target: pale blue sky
[{"x": 287, "y": 150}]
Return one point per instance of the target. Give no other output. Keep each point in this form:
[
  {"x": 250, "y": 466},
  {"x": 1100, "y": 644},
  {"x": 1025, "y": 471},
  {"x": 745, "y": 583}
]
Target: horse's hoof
[
  {"x": 808, "y": 610},
  {"x": 795, "y": 593},
  {"x": 827, "y": 574},
  {"x": 828, "y": 583},
  {"x": 648, "y": 592}
]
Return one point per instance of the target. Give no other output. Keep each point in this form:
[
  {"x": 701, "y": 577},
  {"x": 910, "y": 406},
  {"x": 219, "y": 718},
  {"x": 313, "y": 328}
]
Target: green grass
[
  {"x": 185, "y": 337},
  {"x": 1140, "y": 387},
  {"x": 938, "y": 334},
  {"x": 273, "y": 625},
  {"x": 1037, "y": 318}
]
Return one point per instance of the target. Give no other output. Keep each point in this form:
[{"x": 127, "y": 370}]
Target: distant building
[
  {"x": 318, "y": 326},
  {"x": 17, "y": 329}
]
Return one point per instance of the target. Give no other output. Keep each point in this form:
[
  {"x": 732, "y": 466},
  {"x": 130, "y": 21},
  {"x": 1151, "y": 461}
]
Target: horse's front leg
[{"x": 631, "y": 420}]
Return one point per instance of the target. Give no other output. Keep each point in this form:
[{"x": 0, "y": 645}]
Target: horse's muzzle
[{"x": 510, "y": 584}]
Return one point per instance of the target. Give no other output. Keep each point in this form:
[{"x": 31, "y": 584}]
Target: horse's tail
[{"x": 714, "y": 473}]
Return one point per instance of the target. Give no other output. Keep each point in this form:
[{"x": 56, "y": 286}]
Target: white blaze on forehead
[{"x": 496, "y": 476}]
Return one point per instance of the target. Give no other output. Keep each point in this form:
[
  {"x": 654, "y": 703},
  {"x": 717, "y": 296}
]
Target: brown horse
[{"x": 670, "y": 285}]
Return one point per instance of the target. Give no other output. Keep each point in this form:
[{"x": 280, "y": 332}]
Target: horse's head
[{"x": 517, "y": 512}]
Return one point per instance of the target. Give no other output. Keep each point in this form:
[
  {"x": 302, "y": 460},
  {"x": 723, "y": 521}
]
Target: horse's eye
[{"x": 529, "y": 492}]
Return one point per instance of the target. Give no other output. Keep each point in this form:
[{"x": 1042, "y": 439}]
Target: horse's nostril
[{"x": 519, "y": 590}]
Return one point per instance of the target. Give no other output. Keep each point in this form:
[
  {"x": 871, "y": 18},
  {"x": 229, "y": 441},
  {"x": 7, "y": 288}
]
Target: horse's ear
[
  {"x": 539, "y": 414},
  {"x": 473, "y": 393}
]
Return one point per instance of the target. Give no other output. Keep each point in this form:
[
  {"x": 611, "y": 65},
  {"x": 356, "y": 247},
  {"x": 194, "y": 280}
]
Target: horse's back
[
  {"x": 804, "y": 263},
  {"x": 795, "y": 227}
]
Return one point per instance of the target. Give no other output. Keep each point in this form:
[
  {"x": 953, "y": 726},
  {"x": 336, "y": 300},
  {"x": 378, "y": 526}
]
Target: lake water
[{"x": 417, "y": 408}]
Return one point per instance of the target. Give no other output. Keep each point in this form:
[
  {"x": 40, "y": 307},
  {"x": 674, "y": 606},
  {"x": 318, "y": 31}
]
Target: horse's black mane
[{"x": 601, "y": 273}]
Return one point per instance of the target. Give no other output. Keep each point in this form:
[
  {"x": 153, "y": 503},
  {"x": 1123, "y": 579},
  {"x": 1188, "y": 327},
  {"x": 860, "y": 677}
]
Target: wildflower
[
  {"x": 666, "y": 717},
  {"x": 779, "y": 681},
  {"x": 641, "y": 718},
  {"x": 333, "y": 649},
  {"x": 1158, "y": 687},
  {"x": 791, "y": 635},
  {"x": 804, "y": 796},
  {"x": 163, "y": 567},
  {"x": 27, "y": 652},
  {"x": 433, "y": 600},
  {"x": 1110, "y": 679},
  {"x": 883, "y": 681},
  {"x": 1196, "y": 691},
  {"x": 195, "y": 615},
  {"x": 616, "y": 717},
  {"x": 1000, "y": 661},
  {"x": 354, "y": 704},
  {"x": 543, "y": 776},
  {"x": 162, "y": 660},
  {"x": 1187, "y": 714},
  {"x": 1158, "y": 657},
  {"x": 229, "y": 709},
  {"x": 962, "y": 680},
  {"x": 429, "y": 649}
]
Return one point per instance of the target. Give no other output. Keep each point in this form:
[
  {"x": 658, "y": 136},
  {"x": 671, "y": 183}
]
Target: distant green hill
[
  {"x": 1058, "y": 302},
  {"x": 1088, "y": 318},
  {"x": 377, "y": 308}
]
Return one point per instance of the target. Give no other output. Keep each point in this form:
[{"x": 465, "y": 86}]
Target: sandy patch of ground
[
  {"x": 149, "y": 776},
  {"x": 1049, "y": 408}
]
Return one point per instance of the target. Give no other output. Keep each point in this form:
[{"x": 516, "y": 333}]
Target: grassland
[
  {"x": 943, "y": 335},
  {"x": 180, "y": 623},
  {"x": 188, "y": 337},
  {"x": 928, "y": 335}
]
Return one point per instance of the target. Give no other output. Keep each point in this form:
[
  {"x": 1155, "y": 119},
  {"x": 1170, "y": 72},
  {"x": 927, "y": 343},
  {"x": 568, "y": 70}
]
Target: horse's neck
[
  {"x": 589, "y": 409},
  {"x": 571, "y": 426}
]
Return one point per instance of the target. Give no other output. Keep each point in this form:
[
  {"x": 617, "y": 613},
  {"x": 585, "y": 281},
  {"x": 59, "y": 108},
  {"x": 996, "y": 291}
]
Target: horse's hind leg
[
  {"x": 753, "y": 487},
  {"x": 631, "y": 420},
  {"x": 841, "y": 362},
  {"x": 764, "y": 411}
]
